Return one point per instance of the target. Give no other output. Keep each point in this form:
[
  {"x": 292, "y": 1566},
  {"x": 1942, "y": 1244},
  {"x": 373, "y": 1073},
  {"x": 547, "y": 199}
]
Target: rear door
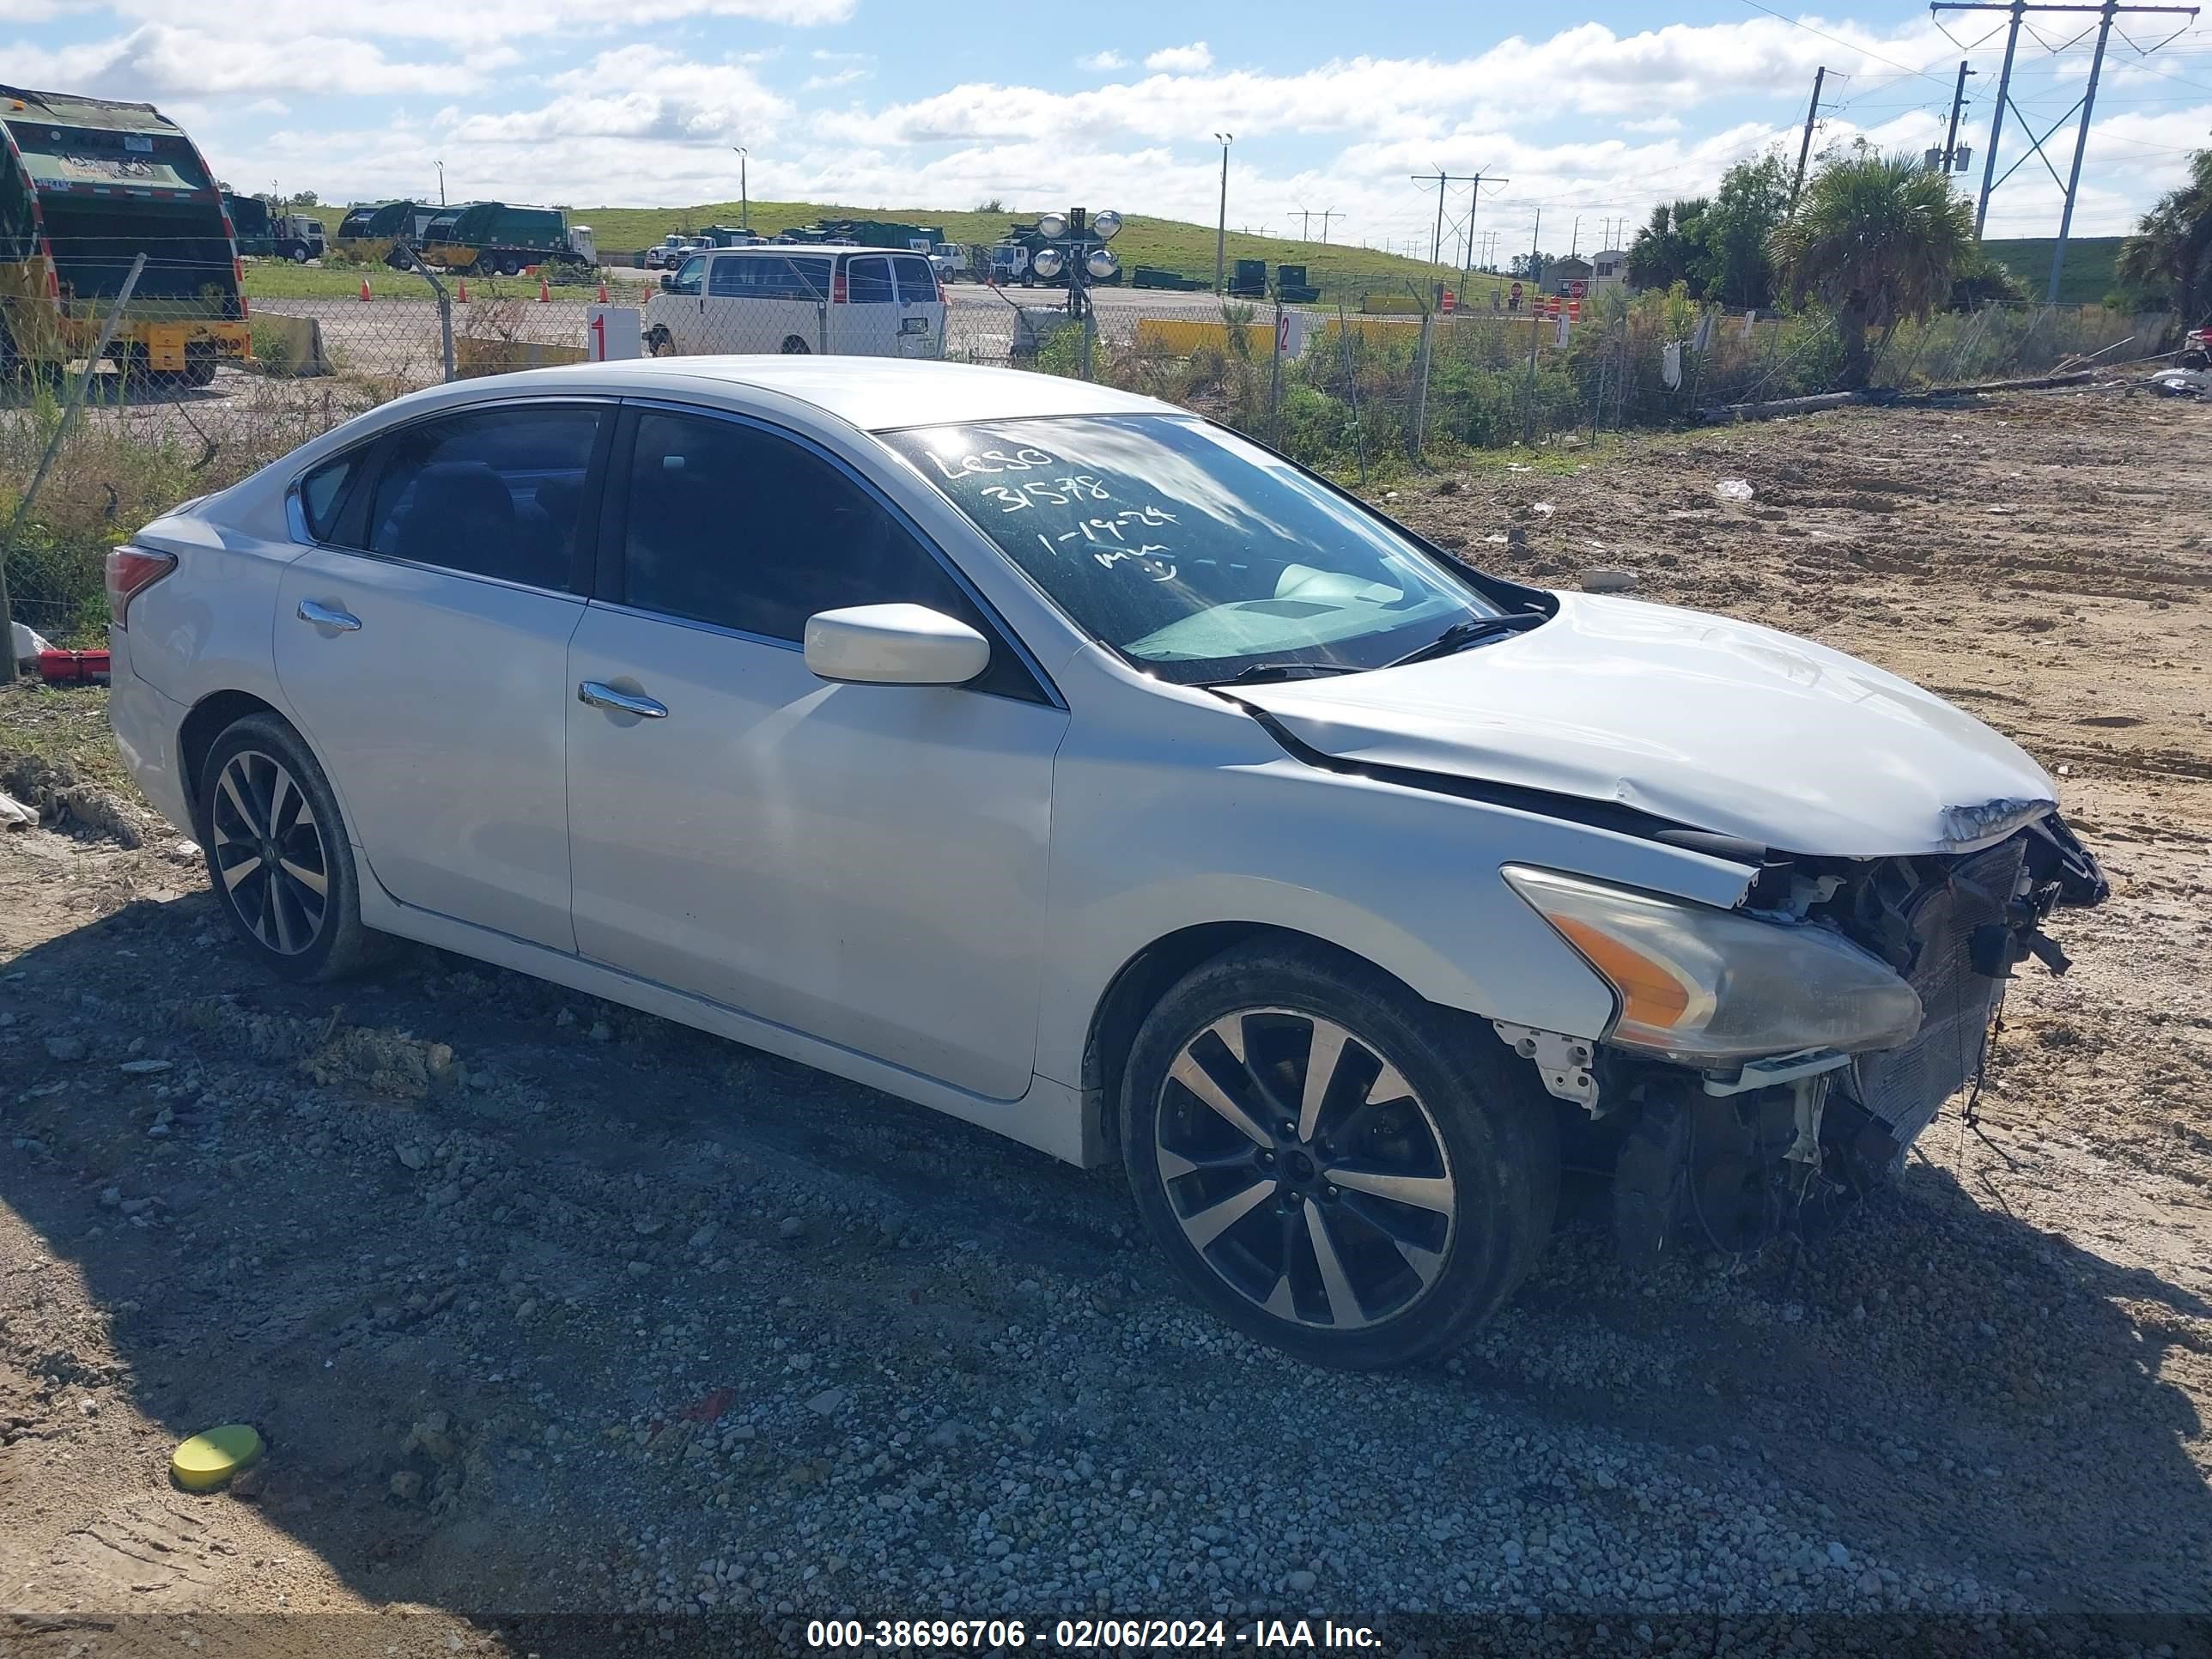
[
  {"x": 921, "y": 313},
  {"x": 867, "y": 324},
  {"x": 424, "y": 654}
]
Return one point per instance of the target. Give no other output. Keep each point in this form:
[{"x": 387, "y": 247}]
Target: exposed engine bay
[{"x": 1726, "y": 1163}]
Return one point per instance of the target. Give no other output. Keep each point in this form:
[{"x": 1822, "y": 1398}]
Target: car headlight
[{"x": 1699, "y": 984}]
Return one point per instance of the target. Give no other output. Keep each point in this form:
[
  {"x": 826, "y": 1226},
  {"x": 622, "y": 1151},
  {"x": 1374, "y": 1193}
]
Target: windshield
[{"x": 1193, "y": 553}]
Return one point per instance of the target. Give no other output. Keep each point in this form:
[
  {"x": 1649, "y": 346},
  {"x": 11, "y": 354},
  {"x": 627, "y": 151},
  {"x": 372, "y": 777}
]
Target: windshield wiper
[
  {"x": 1461, "y": 634},
  {"x": 1253, "y": 672}
]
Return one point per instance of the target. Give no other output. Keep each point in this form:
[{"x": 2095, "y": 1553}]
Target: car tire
[
  {"x": 794, "y": 346},
  {"x": 259, "y": 761},
  {"x": 510, "y": 267},
  {"x": 1453, "y": 1141},
  {"x": 299, "y": 255}
]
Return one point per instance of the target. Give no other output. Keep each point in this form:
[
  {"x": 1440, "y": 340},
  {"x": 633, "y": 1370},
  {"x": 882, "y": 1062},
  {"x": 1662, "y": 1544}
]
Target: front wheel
[
  {"x": 277, "y": 852},
  {"x": 300, "y": 253},
  {"x": 1338, "y": 1169}
]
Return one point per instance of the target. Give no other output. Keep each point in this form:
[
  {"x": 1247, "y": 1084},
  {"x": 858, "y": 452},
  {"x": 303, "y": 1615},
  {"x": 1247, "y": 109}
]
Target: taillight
[
  {"x": 837, "y": 287},
  {"x": 131, "y": 572},
  {"x": 941, "y": 298}
]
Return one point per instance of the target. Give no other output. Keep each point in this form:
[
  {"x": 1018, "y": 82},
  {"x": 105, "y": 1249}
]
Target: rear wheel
[
  {"x": 510, "y": 266},
  {"x": 795, "y": 346},
  {"x": 1338, "y": 1169},
  {"x": 277, "y": 852}
]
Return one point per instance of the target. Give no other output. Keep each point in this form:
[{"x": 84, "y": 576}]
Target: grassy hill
[
  {"x": 1185, "y": 248},
  {"x": 2087, "y": 277}
]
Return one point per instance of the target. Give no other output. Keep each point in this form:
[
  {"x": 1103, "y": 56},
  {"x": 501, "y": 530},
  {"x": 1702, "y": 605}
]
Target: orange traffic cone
[
  {"x": 464, "y": 290},
  {"x": 602, "y": 293},
  {"x": 364, "y": 288},
  {"x": 544, "y": 292}
]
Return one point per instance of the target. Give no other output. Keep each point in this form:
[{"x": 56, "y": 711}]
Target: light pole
[
  {"x": 440, "y": 166},
  {"x": 744, "y": 191},
  {"x": 1221, "y": 232},
  {"x": 1075, "y": 242}
]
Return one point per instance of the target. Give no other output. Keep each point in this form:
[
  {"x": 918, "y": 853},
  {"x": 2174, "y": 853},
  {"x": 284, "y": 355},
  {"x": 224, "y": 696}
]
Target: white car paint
[
  {"x": 1695, "y": 718},
  {"x": 926, "y": 889}
]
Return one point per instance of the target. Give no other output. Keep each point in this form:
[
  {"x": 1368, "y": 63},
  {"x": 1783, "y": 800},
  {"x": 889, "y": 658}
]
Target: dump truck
[
  {"x": 493, "y": 238},
  {"x": 261, "y": 235},
  {"x": 87, "y": 186},
  {"x": 371, "y": 231}
]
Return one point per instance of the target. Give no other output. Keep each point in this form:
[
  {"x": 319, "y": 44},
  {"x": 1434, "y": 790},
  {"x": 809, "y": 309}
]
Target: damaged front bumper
[{"x": 1723, "y": 1157}]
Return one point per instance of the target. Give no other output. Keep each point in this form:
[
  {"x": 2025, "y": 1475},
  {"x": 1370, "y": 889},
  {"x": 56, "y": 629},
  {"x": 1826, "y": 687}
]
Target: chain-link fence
[{"x": 190, "y": 394}]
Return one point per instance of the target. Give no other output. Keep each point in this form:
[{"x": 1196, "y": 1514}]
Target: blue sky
[{"x": 1591, "y": 115}]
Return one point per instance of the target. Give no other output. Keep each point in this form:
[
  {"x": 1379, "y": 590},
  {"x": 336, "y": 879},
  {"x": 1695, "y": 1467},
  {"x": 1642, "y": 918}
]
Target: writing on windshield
[{"x": 1113, "y": 537}]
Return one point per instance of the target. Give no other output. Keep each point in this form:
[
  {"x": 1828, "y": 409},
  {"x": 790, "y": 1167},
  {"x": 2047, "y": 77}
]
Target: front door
[
  {"x": 426, "y": 660},
  {"x": 865, "y": 864}
]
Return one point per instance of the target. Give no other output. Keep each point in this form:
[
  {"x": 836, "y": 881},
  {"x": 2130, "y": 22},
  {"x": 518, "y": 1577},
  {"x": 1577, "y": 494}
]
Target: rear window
[
  {"x": 868, "y": 281},
  {"x": 917, "y": 282}
]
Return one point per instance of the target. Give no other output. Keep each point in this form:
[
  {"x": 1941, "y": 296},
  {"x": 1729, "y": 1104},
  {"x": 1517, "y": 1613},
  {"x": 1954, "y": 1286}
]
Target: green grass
[
  {"x": 277, "y": 279},
  {"x": 1169, "y": 243},
  {"x": 2087, "y": 279}
]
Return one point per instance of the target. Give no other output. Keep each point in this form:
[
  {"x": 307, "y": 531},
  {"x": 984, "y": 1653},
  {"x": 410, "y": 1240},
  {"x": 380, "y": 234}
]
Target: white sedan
[{"x": 1057, "y": 759}]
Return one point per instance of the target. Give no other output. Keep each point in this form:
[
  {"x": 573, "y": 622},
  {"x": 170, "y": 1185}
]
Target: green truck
[
  {"x": 493, "y": 238},
  {"x": 86, "y": 185},
  {"x": 261, "y": 235},
  {"x": 367, "y": 232}
]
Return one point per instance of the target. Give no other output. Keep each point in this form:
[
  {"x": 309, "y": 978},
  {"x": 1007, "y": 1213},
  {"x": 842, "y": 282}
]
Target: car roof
[
  {"x": 876, "y": 394},
  {"x": 814, "y": 247}
]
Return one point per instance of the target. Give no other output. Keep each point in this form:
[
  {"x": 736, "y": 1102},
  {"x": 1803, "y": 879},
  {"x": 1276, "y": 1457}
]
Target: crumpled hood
[{"x": 1717, "y": 724}]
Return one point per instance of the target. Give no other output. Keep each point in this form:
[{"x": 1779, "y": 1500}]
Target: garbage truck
[
  {"x": 369, "y": 233},
  {"x": 86, "y": 186},
  {"x": 493, "y": 238}
]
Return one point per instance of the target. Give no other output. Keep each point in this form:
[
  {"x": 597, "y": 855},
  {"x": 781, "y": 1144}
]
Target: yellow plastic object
[{"x": 206, "y": 1460}]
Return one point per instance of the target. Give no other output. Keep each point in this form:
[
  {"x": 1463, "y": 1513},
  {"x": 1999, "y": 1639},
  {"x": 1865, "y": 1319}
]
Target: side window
[
  {"x": 319, "y": 493},
  {"x": 917, "y": 282},
  {"x": 868, "y": 281},
  {"x": 689, "y": 276},
  {"x": 730, "y": 525},
  {"x": 810, "y": 278},
  {"x": 499, "y": 492}
]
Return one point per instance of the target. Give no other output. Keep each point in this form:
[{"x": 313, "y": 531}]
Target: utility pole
[
  {"x": 1221, "y": 232},
  {"x": 1575, "y": 240},
  {"x": 1950, "y": 138},
  {"x": 1805, "y": 149},
  {"x": 1473, "y": 201},
  {"x": 1442, "y": 180},
  {"x": 1536, "y": 328},
  {"x": 1324, "y": 215},
  {"x": 2106, "y": 13},
  {"x": 1305, "y": 224},
  {"x": 744, "y": 191}
]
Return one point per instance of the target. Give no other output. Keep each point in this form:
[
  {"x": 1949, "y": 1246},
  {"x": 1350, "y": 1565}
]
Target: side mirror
[
  {"x": 667, "y": 279},
  {"x": 894, "y": 645}
]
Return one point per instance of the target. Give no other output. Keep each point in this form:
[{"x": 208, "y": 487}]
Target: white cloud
[
  {"x": 641, "y": 93},
  {"x": 1656, "y": 124},
  {"x": 1193, "y": 59},
  {"x": 1098, "y": 62},
  {"x": 159, "y": 59},
  {"x": 840, "y": 78},
  {"x": 478, "y": 22}
]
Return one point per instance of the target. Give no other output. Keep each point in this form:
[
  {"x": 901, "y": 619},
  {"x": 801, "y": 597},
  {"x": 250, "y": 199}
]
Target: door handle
[
  {"x": 325, "y": 616},
  {"x": 620, "y": 703}
]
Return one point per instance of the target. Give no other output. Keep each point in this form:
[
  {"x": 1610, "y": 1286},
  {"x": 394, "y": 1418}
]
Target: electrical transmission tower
[{"x": 2107, "y": 14}]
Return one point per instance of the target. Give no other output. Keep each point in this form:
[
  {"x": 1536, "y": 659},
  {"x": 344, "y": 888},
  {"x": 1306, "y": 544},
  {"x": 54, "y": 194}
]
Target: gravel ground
[{"x": 545, "y": 1307}]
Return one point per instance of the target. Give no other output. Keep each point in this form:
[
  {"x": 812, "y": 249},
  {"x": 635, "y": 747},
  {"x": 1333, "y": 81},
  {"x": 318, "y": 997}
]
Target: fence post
[
  {"x": 71, "y": 402},
  {"x": 1351, "y": 391},
  {"x": 445, "y": 302},
  {"x": 1275, "y": 381},
  {"x": 1090, "y": 334},
  {"x": 1421, "y": 387}
]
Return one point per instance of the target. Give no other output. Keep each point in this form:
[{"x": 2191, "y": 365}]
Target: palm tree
[
  {"x": 1874, "y": 241},
  {"x": 2172, "y": 248}
]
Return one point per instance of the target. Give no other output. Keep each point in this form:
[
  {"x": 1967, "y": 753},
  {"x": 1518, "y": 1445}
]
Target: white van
[{"x": 860, "y": 302}]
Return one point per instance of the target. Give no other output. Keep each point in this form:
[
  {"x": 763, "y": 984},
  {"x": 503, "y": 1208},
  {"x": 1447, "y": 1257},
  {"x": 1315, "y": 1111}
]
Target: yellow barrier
[
  {"x": 1178, "y": 337},
  {"x": 474, "y": 358},
  {"x": 1373, "y": 329}
]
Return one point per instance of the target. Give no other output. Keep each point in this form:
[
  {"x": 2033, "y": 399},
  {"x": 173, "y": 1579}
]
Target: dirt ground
[{"x": 544, "y": 1307}]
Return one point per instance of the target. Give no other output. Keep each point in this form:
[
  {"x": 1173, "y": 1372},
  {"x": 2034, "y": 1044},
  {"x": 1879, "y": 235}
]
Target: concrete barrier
[
  {"x": 289, "y": 346},
  {"x": 474, "y": 358}
]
